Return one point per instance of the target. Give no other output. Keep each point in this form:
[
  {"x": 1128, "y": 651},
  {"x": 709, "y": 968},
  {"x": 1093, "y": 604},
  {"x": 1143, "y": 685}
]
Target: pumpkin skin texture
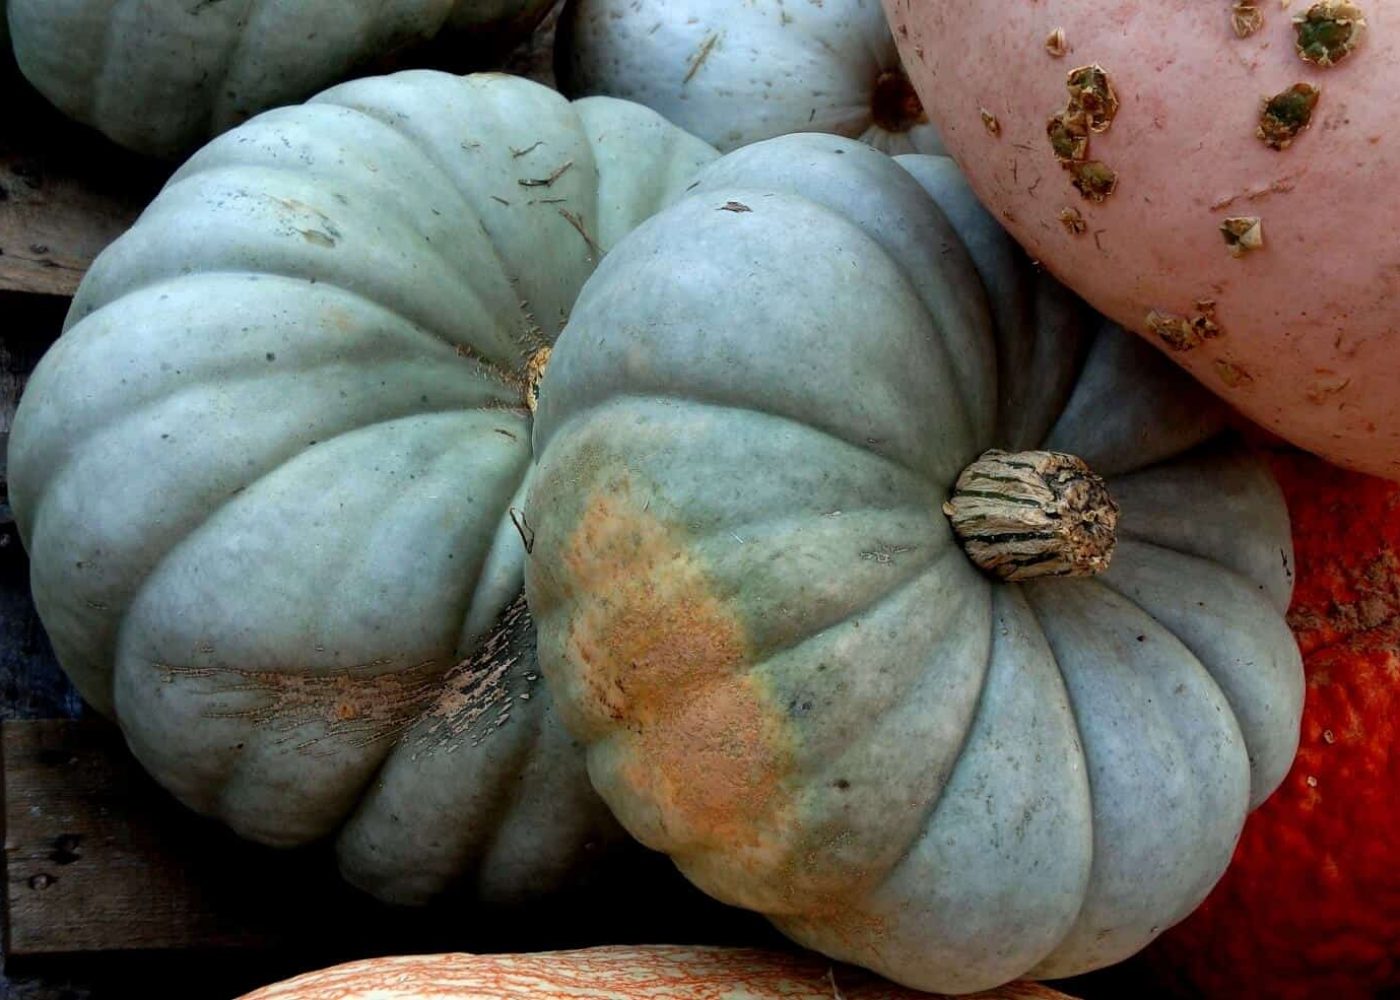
[
  {"x": 1307, "y": 342},
  {"x": 161, "y": 77},
  {"x": 654, "y": 972},
  {"x": 1311, "y": 904},
  {"x": 266, "y": 475},
  {"x": 738, "y": 71},
  {"x": 793, "y": 682}
]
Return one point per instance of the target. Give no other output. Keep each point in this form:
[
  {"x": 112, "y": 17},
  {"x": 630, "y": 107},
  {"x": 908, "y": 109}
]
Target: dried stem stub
[{"x": 1033, "y": 514}]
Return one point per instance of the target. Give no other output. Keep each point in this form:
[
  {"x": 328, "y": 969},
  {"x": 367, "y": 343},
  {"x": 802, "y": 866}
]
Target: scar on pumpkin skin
[
  {"x": 1232, "y": 374},
  {"x": 475, "y": 698},
  {"x": 1073, "y": 221},
  {"x": 661, "y": 665},
  {"x": 351, "y": 705}
]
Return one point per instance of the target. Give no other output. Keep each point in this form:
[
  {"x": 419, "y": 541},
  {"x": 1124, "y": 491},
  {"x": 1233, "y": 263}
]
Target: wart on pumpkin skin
[
  {"x": 1092, "y": 107},
  {"x": 1180, "y": 333},
  {"x": 1243, "y": 234},
  {"x": 1328, "y": 32},
  {"x": 1246, "y": 18},
  {"x": 1286, "y": 115}
]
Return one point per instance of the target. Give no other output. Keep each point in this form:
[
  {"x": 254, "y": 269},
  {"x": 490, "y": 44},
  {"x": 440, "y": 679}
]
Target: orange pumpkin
[
  {"x": 1310, "y": 906},
  {"x": 619, "y": 973},
  {"x": 1144, "y": 201}
]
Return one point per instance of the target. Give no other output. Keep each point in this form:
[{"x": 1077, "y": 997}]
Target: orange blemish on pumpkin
[{"x": 662, "y": 666}]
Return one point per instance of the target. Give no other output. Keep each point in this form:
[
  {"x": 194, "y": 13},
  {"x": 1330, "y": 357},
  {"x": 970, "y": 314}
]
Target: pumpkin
[
  {"x": 616, "y": 973},
  {"x": 737, "y": 71},
  {"x": 1254, "y": 243},
  {"x": 161, "y": 78},
  {"x": 269, "y": 476},
  {"x": 1311, "y": 904},
  {"x": 755, "y": 611}
]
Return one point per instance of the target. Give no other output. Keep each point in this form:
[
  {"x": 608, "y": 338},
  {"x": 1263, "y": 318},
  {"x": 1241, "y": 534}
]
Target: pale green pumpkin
[
  {"x": 737, "y": 71},
  {"x": 753, "y": 609},
  {"x": 162, "y": 76},
  {"x": 266, "y": 476}
]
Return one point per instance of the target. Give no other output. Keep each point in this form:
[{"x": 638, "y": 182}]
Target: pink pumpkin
[{"x": 1193, "y": 191}]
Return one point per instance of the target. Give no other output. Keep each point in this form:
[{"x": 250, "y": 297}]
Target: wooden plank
[
  {"x": 82, "y": 831},
  {"x": 97, "y": 859},
  {"x": 65, "y": 193},
  {"x": 52, "y": 223}
]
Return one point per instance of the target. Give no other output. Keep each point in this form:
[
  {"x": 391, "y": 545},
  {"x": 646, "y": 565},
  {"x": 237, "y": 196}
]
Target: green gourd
[
  {"x": 737, "y": 71},
  {"x": 269, "y": 477},
  {"x": 163, "y": 77},
  {"x": 786, "y": 415}
]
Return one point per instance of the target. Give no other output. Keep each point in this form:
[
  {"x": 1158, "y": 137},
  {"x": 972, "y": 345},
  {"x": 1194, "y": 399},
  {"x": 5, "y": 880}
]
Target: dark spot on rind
[
  {"x": 1287, "y": 114},
  {"x": 894, "y": 104}
]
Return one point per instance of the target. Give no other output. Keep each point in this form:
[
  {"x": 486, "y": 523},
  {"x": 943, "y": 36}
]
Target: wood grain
[
  {"x": 65, "y": 193},
  {"x": 98, "y": 859},
  {"x": 89, "y": 863}
]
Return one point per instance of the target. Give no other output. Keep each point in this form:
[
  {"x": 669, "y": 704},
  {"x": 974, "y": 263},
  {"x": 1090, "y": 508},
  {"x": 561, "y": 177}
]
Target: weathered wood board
[{"x": 65, "y": 193}]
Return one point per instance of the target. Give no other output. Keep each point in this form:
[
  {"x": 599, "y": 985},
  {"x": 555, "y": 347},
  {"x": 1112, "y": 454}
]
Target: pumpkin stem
[
  {"x": 1030, "y": 514},
  {"x": 895, "y": 106},
  {"x": 534, "y": 375}
]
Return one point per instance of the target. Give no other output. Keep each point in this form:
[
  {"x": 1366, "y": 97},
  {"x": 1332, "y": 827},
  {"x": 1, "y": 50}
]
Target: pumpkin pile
[{"x": 489, "y": 480}]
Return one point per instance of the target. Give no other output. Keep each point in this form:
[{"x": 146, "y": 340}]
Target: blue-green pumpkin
[
  {"x": 163, "y": 77},
  {"x": 770, "y": 405},
  {"x": 269, "y": 476}
]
